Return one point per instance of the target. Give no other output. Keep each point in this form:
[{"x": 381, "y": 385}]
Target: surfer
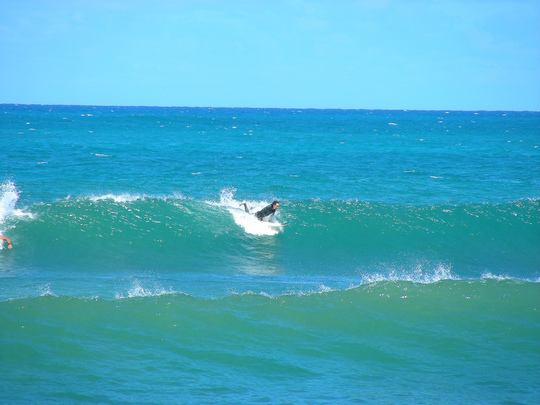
[
  {"x": 265, "y": 212},
  {"x": 10, "y": 246}
]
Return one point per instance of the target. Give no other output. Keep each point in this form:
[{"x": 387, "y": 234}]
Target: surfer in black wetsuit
[{"x": 266, "y": 211}]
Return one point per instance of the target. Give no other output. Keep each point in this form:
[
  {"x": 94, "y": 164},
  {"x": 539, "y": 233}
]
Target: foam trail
[
  {"x": 247, "y": 221},
  {"x": 251, "y": 224}
]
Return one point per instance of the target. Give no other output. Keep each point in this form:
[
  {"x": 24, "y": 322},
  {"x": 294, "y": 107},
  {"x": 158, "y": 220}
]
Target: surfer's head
[{"x": 275, "y": 205}]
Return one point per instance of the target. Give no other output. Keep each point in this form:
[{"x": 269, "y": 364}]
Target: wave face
[
  {"x": 333, "y": 242},
  {"x": 406, "y": 269}
]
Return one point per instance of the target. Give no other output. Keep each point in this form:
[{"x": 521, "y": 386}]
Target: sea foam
[
  {"x": 8, "y": 199},
  {"x": 418, "y": 275},
  {"x": 248, "y": 222},
  {"x": 9, "y": 195},
  {"x": 137, "y": 289}
]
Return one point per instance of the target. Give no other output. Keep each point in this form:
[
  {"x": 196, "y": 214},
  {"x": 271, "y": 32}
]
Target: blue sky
[{"x": 371, "y": 54}]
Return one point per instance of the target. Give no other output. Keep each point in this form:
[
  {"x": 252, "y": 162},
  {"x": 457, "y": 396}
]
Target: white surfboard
[{"x": 273, "y": 224}]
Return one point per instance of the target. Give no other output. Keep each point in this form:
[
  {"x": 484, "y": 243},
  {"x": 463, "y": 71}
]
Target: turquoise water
[{"x": 408, "y": 271}]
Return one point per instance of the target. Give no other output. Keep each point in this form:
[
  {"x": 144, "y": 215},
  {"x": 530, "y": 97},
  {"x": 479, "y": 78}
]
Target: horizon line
[{"x": 261, "y": 108}]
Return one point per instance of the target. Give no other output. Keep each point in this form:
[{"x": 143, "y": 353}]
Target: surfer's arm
[{"x": 8, "y": 241}]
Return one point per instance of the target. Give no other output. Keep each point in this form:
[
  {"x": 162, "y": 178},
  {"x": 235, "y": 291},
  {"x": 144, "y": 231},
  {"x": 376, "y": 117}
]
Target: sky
[{"x": 363, "y": 54}]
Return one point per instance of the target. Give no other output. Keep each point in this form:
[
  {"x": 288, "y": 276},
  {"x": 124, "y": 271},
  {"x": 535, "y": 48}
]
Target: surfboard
[{"x": 272, "y": 224}]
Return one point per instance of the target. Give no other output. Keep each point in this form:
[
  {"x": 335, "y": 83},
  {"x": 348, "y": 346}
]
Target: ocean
[{"x": 407, "y": 272}]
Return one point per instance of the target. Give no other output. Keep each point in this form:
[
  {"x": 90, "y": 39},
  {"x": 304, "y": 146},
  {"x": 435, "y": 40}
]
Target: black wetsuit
[{"x": 269, "y": 210}]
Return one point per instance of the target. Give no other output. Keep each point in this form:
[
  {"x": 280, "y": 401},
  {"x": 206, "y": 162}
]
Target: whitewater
[{"x": 408, "y": 270}]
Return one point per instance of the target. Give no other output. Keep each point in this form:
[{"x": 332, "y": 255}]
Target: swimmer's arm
[{"x": 10, "y": 246}]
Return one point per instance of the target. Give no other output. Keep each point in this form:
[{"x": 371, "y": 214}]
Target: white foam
[
  {"x": 45, "y": 291},
  {"x": 138, "y": 290},
  {"x": 251, "y": 224},
  {"x": 126, "y": 197},
  {"x": 247, "y": 221},
  {"x": 320, "y": 289},
  {"x": 8, "y": 199},
  {"x": 117, "y": 198},
  {"x": 490, "y": 276},
  {"x": 418, "y": 275}
]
